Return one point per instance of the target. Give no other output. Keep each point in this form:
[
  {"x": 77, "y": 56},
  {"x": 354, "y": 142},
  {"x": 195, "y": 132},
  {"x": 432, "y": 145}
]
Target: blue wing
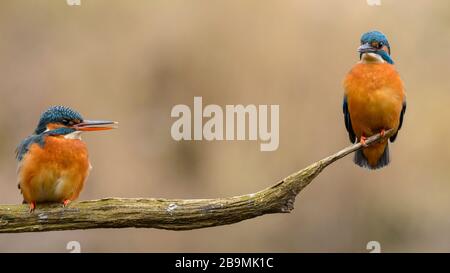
[
  {"x": 348, "y": 121},
  {"x": 23, "y": 147},
  {"x": 393, "y": 137}
]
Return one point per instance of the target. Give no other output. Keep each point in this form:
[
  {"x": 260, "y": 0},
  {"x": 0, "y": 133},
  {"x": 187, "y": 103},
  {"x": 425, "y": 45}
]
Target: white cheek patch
[{"x": 74, "y": 135}]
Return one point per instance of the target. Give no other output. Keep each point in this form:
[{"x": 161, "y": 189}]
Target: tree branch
[{"x": 171, "y": 214}]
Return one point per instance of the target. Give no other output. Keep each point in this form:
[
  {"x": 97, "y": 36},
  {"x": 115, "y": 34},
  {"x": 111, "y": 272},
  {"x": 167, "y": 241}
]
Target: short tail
[{"x": 361, "y": 160}]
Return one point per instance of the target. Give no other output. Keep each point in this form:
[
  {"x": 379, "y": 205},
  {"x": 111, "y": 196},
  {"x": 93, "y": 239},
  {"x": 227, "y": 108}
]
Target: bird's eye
[
  {"x": 380, "y": 44},
  {"x": 67, "y": 122}
]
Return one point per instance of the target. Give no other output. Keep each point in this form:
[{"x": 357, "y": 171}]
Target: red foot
[
  {"x": 362, "y": 140},
  {"x": 66, "y": 202},
  {"x": 382, "y": 133},
  {"x": 32, "y": 206}
]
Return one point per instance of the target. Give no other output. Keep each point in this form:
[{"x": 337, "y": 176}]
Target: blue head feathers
[
  {"x": 376, "y": 42},
  {"x": 57, "y": 114},
  {"x": 61, "y": 121}
]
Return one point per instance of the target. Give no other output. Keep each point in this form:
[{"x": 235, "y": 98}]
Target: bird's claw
[
  {"x": 32, "y": 207},
  {"x": 382, "y": 133},
  {"x": 66, "y": 203},
  {"x": 362, "y": 140}
]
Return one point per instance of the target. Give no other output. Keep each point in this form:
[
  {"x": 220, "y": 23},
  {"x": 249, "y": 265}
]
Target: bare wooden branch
[{"x": 171, "y": 214}]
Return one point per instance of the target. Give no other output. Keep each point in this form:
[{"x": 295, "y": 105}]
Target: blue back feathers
[{"x": 25, "y": 145}]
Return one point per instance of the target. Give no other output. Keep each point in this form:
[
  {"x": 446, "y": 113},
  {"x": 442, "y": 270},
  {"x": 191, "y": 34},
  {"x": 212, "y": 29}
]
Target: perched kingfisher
[
  {"x": 374, "y": 99},
  {"x": 53, "y": 161}
]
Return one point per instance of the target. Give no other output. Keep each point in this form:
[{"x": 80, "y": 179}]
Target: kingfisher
[
  {"x": 53, "y": 162},
  {"x": 374, "y": 100}
]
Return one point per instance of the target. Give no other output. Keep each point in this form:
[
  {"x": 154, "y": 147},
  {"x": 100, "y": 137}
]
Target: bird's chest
[
  {"x": 375, "y": 95},
  {"x": 63, "y": 154},
  {"x": 54, "y": 171},
  {"x": 374, "y": 106}
]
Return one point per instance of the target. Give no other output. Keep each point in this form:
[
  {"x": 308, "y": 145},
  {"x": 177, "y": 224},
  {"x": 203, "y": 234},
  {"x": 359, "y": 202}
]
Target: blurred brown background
[{"x": 132, "y": 61}]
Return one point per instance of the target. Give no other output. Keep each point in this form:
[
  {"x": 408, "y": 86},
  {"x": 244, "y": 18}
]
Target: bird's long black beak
[
  {"x": 96, "y": 125},
  {"x": 365, "y": 48}
]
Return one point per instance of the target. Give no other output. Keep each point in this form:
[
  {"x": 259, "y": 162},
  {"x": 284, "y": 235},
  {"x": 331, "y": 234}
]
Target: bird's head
[
  {"x": 61, "y": 120},
  {"x": 375, "y": 48}
]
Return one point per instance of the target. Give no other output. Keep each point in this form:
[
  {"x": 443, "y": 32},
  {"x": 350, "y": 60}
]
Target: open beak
[
  {"x": 365, "y": 48},
  {"x": 96, "y": 125}
]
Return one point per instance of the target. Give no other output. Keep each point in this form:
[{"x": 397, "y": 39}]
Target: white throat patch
[
  {"x": 371, "y": 58},
  {"x": 74, "y": 135}
]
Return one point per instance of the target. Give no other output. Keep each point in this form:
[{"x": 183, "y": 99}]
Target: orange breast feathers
[
  {"x": 55, "y": 172},
  {"x": 375, "y": 96}
]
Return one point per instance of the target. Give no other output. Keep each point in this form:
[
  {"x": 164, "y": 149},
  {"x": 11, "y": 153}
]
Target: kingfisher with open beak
[
  {"x": 374, "y": 100},
  {"x": 53, "y": 161}
]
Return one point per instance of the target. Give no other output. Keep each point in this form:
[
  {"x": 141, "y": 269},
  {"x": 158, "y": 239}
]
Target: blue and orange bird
[
  {"x": 53, "y": 161},
  {"x": 374, "y": 99}
]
